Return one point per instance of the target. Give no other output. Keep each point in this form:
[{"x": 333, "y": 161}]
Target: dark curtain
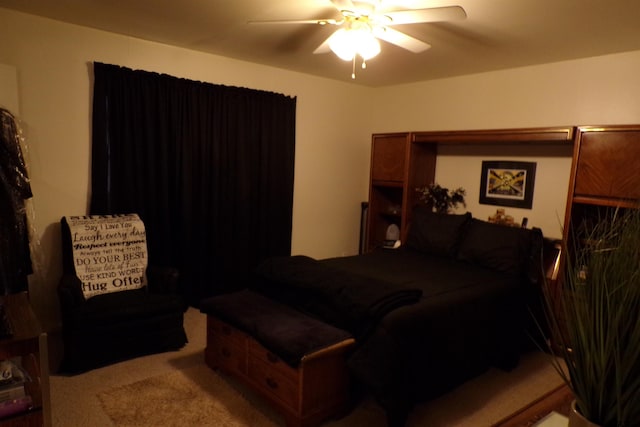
[
  {"x": 15, "y": 188},
  {"x": 209, "y": 168}
]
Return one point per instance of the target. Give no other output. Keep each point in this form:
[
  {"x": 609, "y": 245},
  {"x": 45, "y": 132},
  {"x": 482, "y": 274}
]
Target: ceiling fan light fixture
[
  {"x": 346, "y": 43},
  {"x": 369, "y": 47},
  {"x": 363, "y": 22}
]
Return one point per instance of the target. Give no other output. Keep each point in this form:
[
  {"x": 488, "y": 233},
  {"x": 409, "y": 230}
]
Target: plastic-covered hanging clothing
[{"x": 15, "y": 188}]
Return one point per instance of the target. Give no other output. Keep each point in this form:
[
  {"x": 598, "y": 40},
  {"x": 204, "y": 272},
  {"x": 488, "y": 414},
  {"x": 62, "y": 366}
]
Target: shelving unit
[
  {"x": 26, "y": 343},
  {"x": 604, "y": 177},
  {"x": 398, "y": 167},
  {"x": 404, "y": 161},
  {"x": 604, "y": 174}
]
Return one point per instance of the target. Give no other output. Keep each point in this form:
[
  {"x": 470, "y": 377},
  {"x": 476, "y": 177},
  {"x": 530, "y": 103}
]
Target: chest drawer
[
  {"x": 256, "y": 351},
  {"x": 221, "y": 331},
  {"x": 274, "y": 381},
  {"x": 227, "y": 354}
]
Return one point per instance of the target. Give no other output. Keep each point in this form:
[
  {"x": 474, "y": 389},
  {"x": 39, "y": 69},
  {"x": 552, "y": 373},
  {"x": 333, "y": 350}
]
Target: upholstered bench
[{"x": 294, "y": 361}]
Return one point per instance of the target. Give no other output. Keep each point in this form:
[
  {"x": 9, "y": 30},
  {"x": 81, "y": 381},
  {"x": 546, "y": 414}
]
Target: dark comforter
[
  {"x": 468, "y": 319},
  {"x": 447, "y": 321},
  {"x": 458, "y": 294},
  {"x": 344, "y": 298}
]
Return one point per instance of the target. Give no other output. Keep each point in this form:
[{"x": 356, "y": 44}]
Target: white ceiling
[{"x": 497, "y": 34}]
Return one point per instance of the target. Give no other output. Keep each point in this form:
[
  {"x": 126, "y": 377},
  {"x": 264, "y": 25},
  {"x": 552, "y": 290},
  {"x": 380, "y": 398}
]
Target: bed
[{"x": 454, "y": 300}]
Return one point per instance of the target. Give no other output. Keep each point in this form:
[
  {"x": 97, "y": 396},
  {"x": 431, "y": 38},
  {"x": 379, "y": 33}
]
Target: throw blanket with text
[{"x": 109, "y": 252}]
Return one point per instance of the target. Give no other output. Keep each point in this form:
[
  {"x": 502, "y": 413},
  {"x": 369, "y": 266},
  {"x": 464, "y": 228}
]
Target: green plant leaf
[{"x": 594, "y": 318}]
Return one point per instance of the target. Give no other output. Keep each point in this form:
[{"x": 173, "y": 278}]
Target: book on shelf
[{"x": 12, "y": 391}]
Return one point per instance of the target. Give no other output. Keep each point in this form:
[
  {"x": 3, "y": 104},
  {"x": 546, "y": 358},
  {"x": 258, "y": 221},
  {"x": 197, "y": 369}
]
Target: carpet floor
[
  {"x": 178, "y": 389},
  {"x": 191, "y": 397}
]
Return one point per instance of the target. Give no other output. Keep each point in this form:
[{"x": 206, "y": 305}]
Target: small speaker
[{"x": 393, "y": 232}]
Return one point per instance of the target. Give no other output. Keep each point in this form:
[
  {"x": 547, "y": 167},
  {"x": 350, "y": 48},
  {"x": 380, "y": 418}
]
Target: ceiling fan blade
[
  {"x": 343, "y": 5},
  {"x": 300, "y": 21},
  {"x": 434, "y": 14},
  {"x": 324, "y": 47},
  {"x": 403, "y": 40}
]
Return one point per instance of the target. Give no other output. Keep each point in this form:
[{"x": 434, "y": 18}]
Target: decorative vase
[{"x": 576, "y": 419}]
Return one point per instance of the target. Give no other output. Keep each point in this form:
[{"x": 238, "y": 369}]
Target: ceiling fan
[{"x": 364, "y": 22}]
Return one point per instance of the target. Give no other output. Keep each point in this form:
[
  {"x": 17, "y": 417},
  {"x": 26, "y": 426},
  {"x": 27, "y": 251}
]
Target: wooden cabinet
[
  {"x": 605, "y": 173},
  {"x": 402, "y": 162},
  {"x": 25, "y": 344},
  {"x": 388, "y": 156},
  {"x": 398, "y": 167},
  {"x": 608, "y": 164},
  {"x": 604, "y": 177},
  {"x": 306, "y": 395}
]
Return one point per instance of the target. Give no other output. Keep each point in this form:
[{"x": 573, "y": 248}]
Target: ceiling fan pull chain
[
  {"x": 353, "y": 67},
  {"x": 364, "y": 64}
]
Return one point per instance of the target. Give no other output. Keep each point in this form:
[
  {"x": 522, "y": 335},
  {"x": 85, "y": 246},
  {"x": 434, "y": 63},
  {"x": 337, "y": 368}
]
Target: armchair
[{"x": 113, "y": 306}]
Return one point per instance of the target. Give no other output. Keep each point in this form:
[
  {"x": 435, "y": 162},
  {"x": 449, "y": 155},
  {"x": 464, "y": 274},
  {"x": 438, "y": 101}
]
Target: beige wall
[
  {"x": 334, "y": 124},
  {"x": 461, "y": 166},
  {"x": 52, "y": 62},
  {"x": 593, "y": 91},
  {"x": 9, "y": 88}
]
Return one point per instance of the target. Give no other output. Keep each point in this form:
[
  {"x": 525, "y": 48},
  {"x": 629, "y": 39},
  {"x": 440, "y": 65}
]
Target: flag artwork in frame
[{"x": 507, "y": 183}]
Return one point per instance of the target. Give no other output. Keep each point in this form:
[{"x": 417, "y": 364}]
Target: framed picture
[{"x": 507, "y": 183}]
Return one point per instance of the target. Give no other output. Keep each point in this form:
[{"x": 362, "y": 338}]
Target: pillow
[
  {"x": 435, "y": 233},
  {"x": 496, "y": 246}
]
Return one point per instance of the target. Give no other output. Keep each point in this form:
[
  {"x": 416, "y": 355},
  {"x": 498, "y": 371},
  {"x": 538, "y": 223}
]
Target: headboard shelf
[
  {"x": 547, "y": 135},
  {"x": 401, "y": 162}
]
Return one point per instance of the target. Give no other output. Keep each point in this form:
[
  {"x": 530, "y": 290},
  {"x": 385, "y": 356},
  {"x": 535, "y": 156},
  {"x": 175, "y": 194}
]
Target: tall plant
[{"x": 595, "y": 319}]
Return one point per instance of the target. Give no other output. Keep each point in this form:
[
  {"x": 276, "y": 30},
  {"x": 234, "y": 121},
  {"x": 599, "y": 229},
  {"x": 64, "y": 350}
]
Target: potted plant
[
  {"x": 441, "y": 199},
  {"x": 594, "y": 320}
]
